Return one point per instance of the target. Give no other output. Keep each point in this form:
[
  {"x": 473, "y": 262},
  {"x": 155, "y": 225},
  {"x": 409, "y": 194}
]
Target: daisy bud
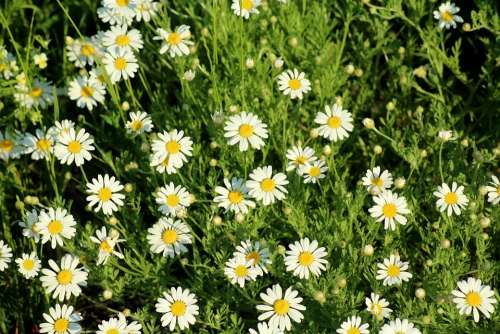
[
  {"x": 420, "y": 293},
  {"x": 496, "y": 151},
  {"x": 429, "y": 263},
  {"x": 423, "y": 154},
  {"x": 341, "y": 283},
  {"x": 239, "y": 217},
  {"x": 377, "y": 149},
  {"x": 249, "y": 63},
  {"x": 335, "y": 291},
  {"x": 485, "y": 236},
  {"x": 113, "y": 220},
  {"x": 420, "y": 109},
  {"x": 319, "y": 296},
  {"x": 182, "y": 213},
  {"x": 314, "y": 133},
  {"x": 69, "y": 40},
  {"x": 390, "y": 106},
  {"x": 278, "y": 63},
  {"x": 193, "y": 49},
  {"x": 317, "y": 60},
  {"x": 349, "y": 69},
  {"x": 467, "y": 27},
  {"x": 445, "y": 135},
  {"x": 233, "y": 109},
  {"x": 214, "y": 145},
  {"x": 440, "y": 300},
  {"x": 401, "y": 50},
  {"x": 217, "y": 220},
  {"x": 114, "y": 234},
  {"x": 445, "y": 243},
  {"x": 426, "y": 319},
  {"x": 400, "y": 183},
  {"x": 20, "y": 205},
  {"x": 21, "y": 79},
  {"x": 369, "y": 123},
  {"x": 465, "y": 142},
  {"x": 184, "y": 261},
  {"x": 281, "y": 249},
  {"x": 107, "y": 294},
  {"x": 263, "y": 41},
  {"x": 368, "y": 250},
  {"x": 205, "y": 32},
  {"x": 195, "y": 63},
  {"x": 213, "y": 162},
  {"x": 287, "y": 211},
  {"x": 274, "y": 19},
  {"x": 189, "y": 75},
  {"x": 68, "y": 176},
  {"x": 358, "y": 72},
  {"x": 420, "y": 72},
  {"x": 327, "y": 150},
  {"x": 485, "y": 222},
  {"x": 144, "y": 147},
  {"x": 126, "y": 312},
  {"x": 125, "y": 106},
  {"x": 293, "y": 42},
  {"x": 129, "y": 187},
  {"x": 483, "y": 190}
]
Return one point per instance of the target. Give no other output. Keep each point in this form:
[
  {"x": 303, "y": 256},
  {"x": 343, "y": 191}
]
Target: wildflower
[
  {"x": 119, "y": 325},
  {"x": 120, "y": 11},
  {"x": 353, "y": 325},
  {"x": 74, "y": 147},
  {"x": 472, "y": 296},
  {"x": 62, "y": 127},
  {"x": 28, "y": 265},
  {"x": 298, "y": 157},
  {"x": 177, "y": 42},
  {"x": 10, "y": 146},
  {"x": 378, "y": 306},
  {"x": 335, "y": 123},
  {"x": 451, "y": 200},
  {"x": 179, "y": 306},
  {"x": 399, "y": 326},
  {"x": 105, "y": 192},
  {"x": 120, "y": 64},
  {"x": 87, "y": 91},
  {"x": 172, "y": 199},
  {"x": 447, "y": 15},
  {"x": 294, "y": 83},
  {"x": 38, "y": 94},
  {"x": 245, "y": 129},
  {"x": 245, "y": 8},
  {"x": 5, "y": 255},
  {"x": 145, "y": 9},
  {"x": 83, "y": 52},
  {"x": 55, "y": 225},
  {"x": 376, "y": 182},
  {"x": 239, "y": 270},
  {"x": 61, "y": 320},
  {"x": 393, "y": 271},
  {"x": 254, "y": 252},
  {"x": 389, "y": 208},
  {"x": 65, "y": 281},
  {"x": 305, "y": 257},
  {"x": 106, "y": 245},
  {"x": 281, "y": 309},
  {"x": 313, "y": 172},
  {"x": 234, "y": 196},
  {"x": 171, "y": 149},
  {"x": 264, "y": 328},
  {"x": 265, "y": 187},
  {"x": 446, "y": 135},
  {"x": 120, "y": 38},
  {"x": 40, "y": 145},
  {"x": 29, "y": 225},
  {"x": 493, "y": 190},
  {"x": 169, "y": 237},
  {"x": 139, "y": 123}
]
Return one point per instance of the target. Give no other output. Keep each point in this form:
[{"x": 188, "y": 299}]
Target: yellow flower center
[
  {"x": 473, "y": 299},
  {"x": 247, "y": 4},
  {"x": 306, "y": 258},
  {"x": 281, "y": 307},
  {"x": 334, "y": 122},
  {"x": 87, "y": 50},
  {"x": 393, "y": 270},
  {"x": 169, "y": 236},
  {"x": 173, "y": 147},
  {"x": 294, "y": 84},
  {"x": 447, "y": 16},
  {"x": 235, "y": 197},
  {"x": 105, "y": 194},
  {"x": 122, "y": 3},
  {"x": 178, "y": 308},
  {"x": 300, "y": 160},
  {"x": 389, "y": 210},
  {"x": 64, "y": 277},
  {"x": 87, "y": 91},
  {"x": 55, "y": 227},
  {"x": 498, "y": 190},
  {"x": 6, "y": 145},
  {"x": 28, "y": 264},
  {"x": 174, "y": 38},
  {"x": 314, "y": 171},
  {"x": 44, "y": 144},
  {"x": 268, "y": 185},
  {"x": 451, "y": 198},
  {"x": 240, "y": 271},
  {"x": 36, "y": 92},
  {"x": 120, "y": 63},
  {"x": 136, "y": 125},
  {"x": 353, "y": 330},
  {"x": 61, "y": 325},
  {"x": 113, "y": 331},
  {"x": 105, "y": 246},
  {"x": 122, "y": 40},
  {"x": 74, "y": 147},
  {"x": 255, "y": 256},
  {"x": 376, "y": 309},
  {"x": 378, "y": 182},
  {"x": 173, "y": 200},
  {"x": 245, "y": 130}
]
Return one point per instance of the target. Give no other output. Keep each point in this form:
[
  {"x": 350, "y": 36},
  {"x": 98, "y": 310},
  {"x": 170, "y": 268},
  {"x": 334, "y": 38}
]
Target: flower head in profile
[
  {"x": 256, "y": 253},
  {"x": 493, "y": 190},
  {"x": 29, "y": 225}
]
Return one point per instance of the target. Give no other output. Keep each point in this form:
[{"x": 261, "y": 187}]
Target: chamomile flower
[
  {"x": 390, "y": 208},
  {"x": 107, "y": 244},
  {"x": 177, "y": 42},
  {"x": 472, "y": 296},
  {"x": 65, "y": 280},
  {"x": 246, "y": 130},
  {"x": 399, "y": 326},
  {"x": 39, "y": 94},
  {"x": 353, "y": 325},
  {"x": 298, "y": 157},
  {"x": 40, "y": 60},
  {"x": 123, "y": 11},
  {"x": 314, "y": 171},
  {"x": 169, "y": 237},
  {"x": 304, "y": 257},
  {"x": 245, "y": 8},
  {"x": 378, "y": 306},
  {"x": 335, "y": 123},
  {"x": 55, "y": 225},
  {"x": 145, "y": 9},
  {"x": 8, "y": 64},
  {"x": 28, "y": 265},
  {"x": 264, "y": 328},
  {"x": 74, "y": 147},
  {"x": 179, "y": 306},
  {"x": 294, "y": 83},
  {"x": 120, "y": 38},
  {"x": 83, "y": 52},
  {"x": 447, "y": 15},
  {"x": 5, "y": 255},
  {"x": 10, "y": 146},
  {"x": 105, "y": 192},
  {"x": 452, "y": 200},
  {"x": 40, "y": 145},
  {"x": 118, "y": 326},
  {"x": 494, "y": 190},
  {"x": 254, "y": 252},
  {"x": 172, "y": 199},
  {"x": 239, "y": 270},
  {"x": 62, "y": 127},
  {"x": 393, "y": 271},
  {"x": 171, "y": 149},
  {"x": 28, "y": 224},
  {"x": 376, "y": 182},
  {"x": 61, "y": 320},
  {"x": 266, "y": 187},
  {"x": 87, "y": 91},
  {"x": 281, "y": 309},
  {"x": 234, "y": 196},
  {"x": 140, "y": 122},
  {"x": 120, "y": 64}
]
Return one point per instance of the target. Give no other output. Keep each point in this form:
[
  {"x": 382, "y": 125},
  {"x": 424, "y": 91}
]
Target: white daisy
[
  {"x": 472, "y": 296},
  {"x": 179, "y": 306},
  {"x": 176, "y": 43},
  {"x": 239, "y": 270},
  {"x": 265, "y": 187},
  {"x": 120, "y": 64},
  {"x": 5, "y": 255},
  {"x": 245, "y": 8},
  {"x": 393, "y": 271},
  {"x": 106, "y": 245},
  {"x": 169, "y": 237},
  {"x": 399, "y": 326},
  {"x": 298, "y": 157},
  {"x": 494, "y": 190},
  {"x": 140, "y": 122},
  {"x": 122, "y": 11},
  {"x": 281, "y": 309},
  {"x": 118, "y": 326},
  {"x": 55, "y": 225},
  {"x": 335, "y": 123},
  {"x": 264, "y": 328},
  {"x": 256, "y": 254},
  {"x": 61, "y": 320},
  {"x": 40, "y": 145},
  {"x": 145, "y": 9},
  {"x": 376, "y": 182},
  {"x": 378, "y": 306},
  {"x": 293, "y": 83},
  {"x": 171, "y": 149},
  {"x": 62, "y": 127},
  {"x": 64, "y": 281},
  {"x": 83, "y": 51},
  {"x": 353, "y": 326},
  {"x": 234, "y": 196},
  {"x": 29, "y": 225},
  {"x": 87, "y": 91},
  {"x": 314, "y": 171},
  {"x": 10, "y": 146},
  {"x": 104, "y": 191},
  {"x": 39, "y": 94},
  {"x": 452, "y": 200},
  {"x": 28, "y": 265},
  {"x": 245, "y": 129},
  {"x": 447, "y": 15},
  {"x": 8, "y": 64},
  {"x": 74, "y": 147},
  {"x": 390, "y": 208},
  {"x": 304, "y": 258},
  {"x": 172, "y": 199},
  {"x": 119, "y": 37}
]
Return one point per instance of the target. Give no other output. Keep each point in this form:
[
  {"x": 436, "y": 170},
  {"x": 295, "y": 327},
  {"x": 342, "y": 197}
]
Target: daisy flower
[
  {"x": 494, "y": 190},
  {"x": 106, "y": 245},
  {"x": 399, "y": 326},
  {"x": 39, "y": 94},
  {"x": 62, "y": 127},
  {"x": 452, "y": 200},
  {"x": 264, "y": 328},
  {"x": 304, "y": 258},
  {"x": 169, "y": 237},
  {"x": 389, "y": 208},
  {"x": 353, "y": 326},
  {"x": 122, "y": 11},
  {"x": 119, "y": 38},
  {"x": 87, "y": 91},
  {"x": 8, "y": 64},
  {"x": 139, "y": 123},
  {"x": 74, "y": 147},
  {"x": 104, "y": 191},
  {"x": 472, "y": 296},
  {"x": 378, "y": 306},
  {"x": 179, "y": 306},
  {"x": 256, "y": 254},
  {"x": 83, "y": 52},
  {"x": 298, "y": 157},
  {"x": 10, "y": 146},
  {"x": 28, "y": 265},
  {"x": 145, "y": 9},
  {"x": 447, "y": 15},
  {"x": 65, "y": 281},
  {"x": 5, "y": 255},
  {"x": 239, "y": 270},
  {"x": 265, "y": 187},
  {"x": 176, "y": 43},
  {"x": 234, "y": 196},
  {"x": 314, "y": 171},
  {"x": 281, "y": 309},
  {"x": 245, "y": 8},
  {"x": 446, "y": 135},
  {"x": 376, "y": 182},
  {"x": 171, "y": 149},
  {"x": 393, "y": 271},
  {"x": 29, "y": 225},
  {"x": 40, "y": 145},
  {"x": 120, "y": 64},
  {"x": 55, "y": 225},
  {"x": 118, "y": 325},
  {"x": 293, "y": 83},
  {"x": 172, "y": 199},
  {"x": 61, "y": 320},
  {"x": 245, "y": 129},
  {"x": 335, "y": 123}
]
